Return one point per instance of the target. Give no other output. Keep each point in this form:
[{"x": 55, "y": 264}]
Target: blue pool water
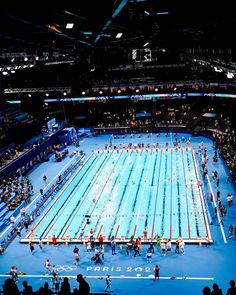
[{"x": 125, "y": 190}]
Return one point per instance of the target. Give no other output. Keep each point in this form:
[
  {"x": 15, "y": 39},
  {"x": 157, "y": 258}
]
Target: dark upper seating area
[{"x": 12, "y": 119}]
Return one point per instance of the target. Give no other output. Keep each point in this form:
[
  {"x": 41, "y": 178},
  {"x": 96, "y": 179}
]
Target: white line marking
[
  {"x": 201, "y": 196},
  {"x": 217, "y": 212}
]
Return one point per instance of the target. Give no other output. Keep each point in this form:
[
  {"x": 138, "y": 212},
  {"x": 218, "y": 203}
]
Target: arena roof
[{"x": 115, "y": 32}]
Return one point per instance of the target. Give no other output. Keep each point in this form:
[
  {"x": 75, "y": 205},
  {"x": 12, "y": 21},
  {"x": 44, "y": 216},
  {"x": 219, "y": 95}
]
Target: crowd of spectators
[
  {"x": 11, "y": 119},
  {"x": 132, "y": 116},
  {"x": 10, "y": 154},
  {"x": 224, "y": 135},
  {"x": 14, "y": 152},
  {"x": 10, "y": 287},
  {"x": 15, "y": 190},
  {"x": 18, "y": 188},
  {"x": 216, "y": 290}
]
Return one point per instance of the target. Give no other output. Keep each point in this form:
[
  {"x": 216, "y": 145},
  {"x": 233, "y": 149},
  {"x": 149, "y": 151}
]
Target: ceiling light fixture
[
  {"x": 230, "y": 75},
  {"x": 146, "y": 44},
  {"x": 119, "y": 35},
  {"x": 162, "y": 13},
  {"x": 69, "y": 26}
]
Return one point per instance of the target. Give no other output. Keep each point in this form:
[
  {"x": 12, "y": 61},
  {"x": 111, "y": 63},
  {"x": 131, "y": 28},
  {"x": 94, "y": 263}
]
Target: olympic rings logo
[{"x": 66, "y": 268}]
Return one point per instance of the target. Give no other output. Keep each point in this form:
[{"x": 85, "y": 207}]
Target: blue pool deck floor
[{"x": 181, "y": 274}]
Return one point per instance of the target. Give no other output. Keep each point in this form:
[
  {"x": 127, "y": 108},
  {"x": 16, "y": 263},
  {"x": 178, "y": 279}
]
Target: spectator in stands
[
  {"x": 47, "y": 291},
  {"x": 65, "y": 287},
  {"x": 206, "y": 290},
  {"x": 10, "y": 287},
  {"x": 27, "y": 289},
  {"x": 216, "y": 290},
  {"x": 232, "y": 289},
  {"x": 84, "y": 288},
  {"x": 15, "y": 190},
  {"x": 40, "y": 291}
]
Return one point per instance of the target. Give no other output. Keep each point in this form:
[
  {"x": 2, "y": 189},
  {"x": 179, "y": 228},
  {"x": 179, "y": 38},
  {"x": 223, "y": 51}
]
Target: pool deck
[{"x": 201, "y": 265}]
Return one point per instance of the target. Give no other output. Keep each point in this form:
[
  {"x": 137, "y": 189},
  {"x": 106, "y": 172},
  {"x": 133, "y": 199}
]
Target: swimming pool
[{"x": 119, "y": 192}]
